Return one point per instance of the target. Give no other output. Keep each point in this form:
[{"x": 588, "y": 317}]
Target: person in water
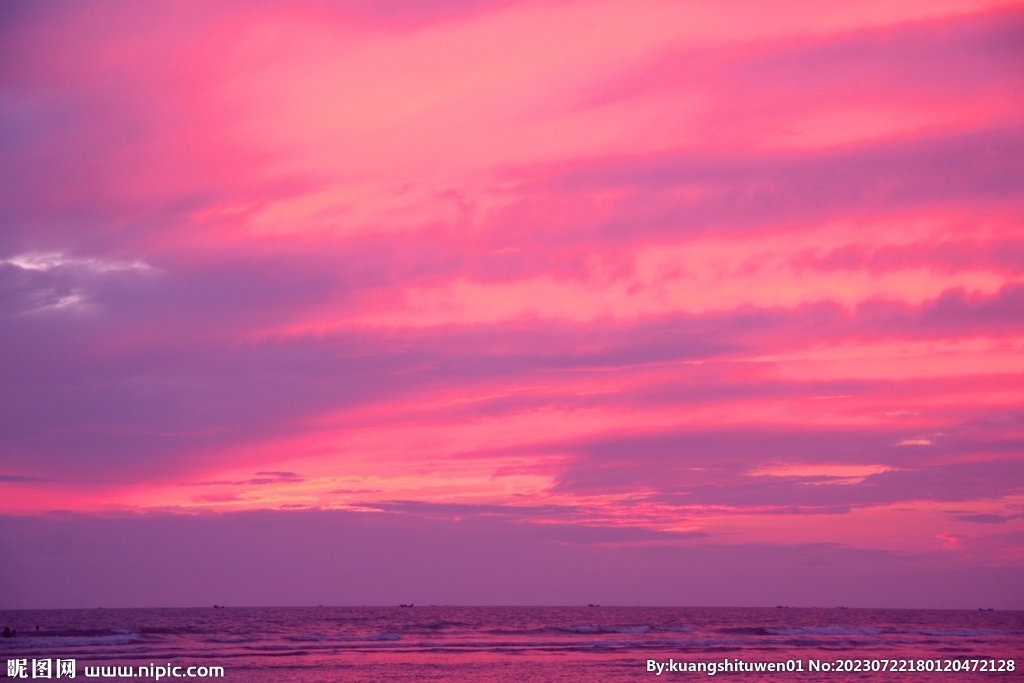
[{"x": 7, "y": 632}]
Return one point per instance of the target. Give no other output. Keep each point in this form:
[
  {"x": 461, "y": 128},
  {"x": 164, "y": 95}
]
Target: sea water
[{"x": 497, "y": 644}]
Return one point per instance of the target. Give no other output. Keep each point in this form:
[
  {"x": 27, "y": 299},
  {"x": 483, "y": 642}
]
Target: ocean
[{"x": 521, "y": 644}]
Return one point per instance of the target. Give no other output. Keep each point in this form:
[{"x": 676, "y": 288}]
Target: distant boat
[
  {"x": 218, "y": 607},
  {"x": 405, "y": 605},
  {"x": 590, "y": 604}
]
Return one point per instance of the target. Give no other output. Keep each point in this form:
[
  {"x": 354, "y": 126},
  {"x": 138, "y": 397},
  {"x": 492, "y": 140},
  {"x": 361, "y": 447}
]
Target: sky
[{"x": 512, "y": 302}]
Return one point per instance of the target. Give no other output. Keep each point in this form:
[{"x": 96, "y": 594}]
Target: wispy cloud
[{"x": 49, "y": 261}]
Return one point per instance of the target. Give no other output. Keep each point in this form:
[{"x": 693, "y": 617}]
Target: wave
[
  {"x": 77, "y": 633},
  {"x": 746, "y": 631},
  {"x": 964, "y": 633},
  {"x": 605, "y": 629},
  {"x": 159, "y": 631},
  {"x": 439, "y": 625},
  {"x": 518, "y": 631},
  {"x": 853, "y": 631},
  {"x": 823, "y": 631},
  {"x": 585, "y": 630},
  {"x": 65, "y": 641},
  {"x": 344, "y": 639},
  {"x": 265, "y": 636},
  {"x": 801, "y": 631}
]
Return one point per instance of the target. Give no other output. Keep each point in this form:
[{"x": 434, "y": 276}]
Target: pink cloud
[{"x": 659, "y": 273}]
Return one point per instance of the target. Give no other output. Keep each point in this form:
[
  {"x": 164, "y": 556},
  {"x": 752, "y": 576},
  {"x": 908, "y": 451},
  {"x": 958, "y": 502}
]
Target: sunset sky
[{"x": 688, "y": 287}]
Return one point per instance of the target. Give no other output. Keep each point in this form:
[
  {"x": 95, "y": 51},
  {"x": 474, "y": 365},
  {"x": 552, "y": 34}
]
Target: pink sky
[{"x": 734, "y": 278}]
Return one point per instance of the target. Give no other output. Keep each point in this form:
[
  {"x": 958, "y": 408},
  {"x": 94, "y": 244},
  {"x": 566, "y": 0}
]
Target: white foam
[
  {"x": 965, "y": 632},
  {"x": 824, "y": 631}
]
